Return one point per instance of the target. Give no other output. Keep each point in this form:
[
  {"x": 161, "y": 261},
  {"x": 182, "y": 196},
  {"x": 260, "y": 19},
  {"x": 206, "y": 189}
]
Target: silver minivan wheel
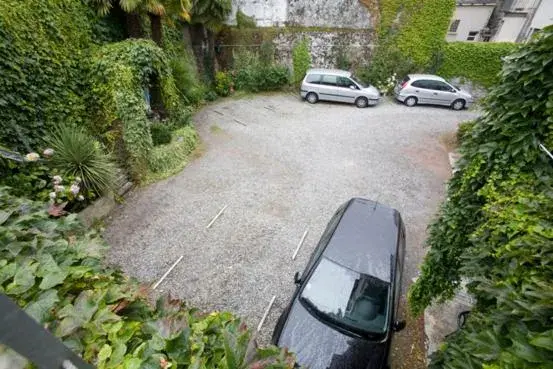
[
  {"x": 411, "y": 101},
  {"x": 312, "y": 98},
  {"x": 362, "y": 102},
  {"x": 458, "y": 104}
]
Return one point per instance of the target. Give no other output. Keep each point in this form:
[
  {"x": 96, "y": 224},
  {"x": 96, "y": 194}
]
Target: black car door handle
[{"x": 435, "y": 93}]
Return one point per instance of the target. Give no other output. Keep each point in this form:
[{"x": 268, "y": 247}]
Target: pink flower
[
  {"x": 48, "y": 153},
  {"x": 59, "y": 188},
  {"x": 57, "y": 180}
]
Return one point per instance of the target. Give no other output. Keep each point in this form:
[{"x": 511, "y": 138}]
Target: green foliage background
[
  {"x": 44, "y": 46},
  {"x": 479, "y": 62},
  {"x": 495, "y": 229}
]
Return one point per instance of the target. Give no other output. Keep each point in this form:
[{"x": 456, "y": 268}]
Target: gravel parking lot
[{"x": 283, "y": 172}]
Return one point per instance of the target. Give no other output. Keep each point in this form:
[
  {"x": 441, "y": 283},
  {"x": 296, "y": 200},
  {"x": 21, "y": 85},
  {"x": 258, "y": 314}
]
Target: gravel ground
[{"x": 285, "y": 171}]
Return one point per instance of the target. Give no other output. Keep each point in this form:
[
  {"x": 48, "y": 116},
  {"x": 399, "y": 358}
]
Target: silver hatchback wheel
[
  {"x": 411, "y": 101},
  {"x": 312, "y": 98},
  {"x": 362, "y": 102},
  {"x": 458, "y": 104}
]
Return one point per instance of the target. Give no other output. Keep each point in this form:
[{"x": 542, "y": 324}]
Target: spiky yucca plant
[{"x": 78, "y": 154}]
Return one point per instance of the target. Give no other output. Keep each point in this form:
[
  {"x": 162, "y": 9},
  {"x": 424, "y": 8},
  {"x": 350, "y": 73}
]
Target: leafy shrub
[
  {"x": 53, "y": 269},
  {"x": 223, "y": 84},
  {"x": 161, "y": 134},
  {"x": 301, "y": 60},
  {"x": 386, "y": 61},
  {"x": 244, "y": 21},
  {"x": 79, "y": 155},
  {"x": 210, "y": 95},
  {"x": 170, "y": 159},
  {"x": 252, "y": 74},
  {"x": 495, "y": 228},
  {"x": 465, "y": 128},
  {"x": 28, "y": 179},
  {"x": 478, "y": 62}
]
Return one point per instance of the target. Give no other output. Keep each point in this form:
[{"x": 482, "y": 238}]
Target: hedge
[{"x": 478, "y": 62}]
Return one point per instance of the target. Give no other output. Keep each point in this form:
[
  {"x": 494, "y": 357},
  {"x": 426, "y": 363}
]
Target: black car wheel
[{"x": 362, "y": 102}]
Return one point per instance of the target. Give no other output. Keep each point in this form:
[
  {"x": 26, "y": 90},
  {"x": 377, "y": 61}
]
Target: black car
[{"x": 344, "y": 310}]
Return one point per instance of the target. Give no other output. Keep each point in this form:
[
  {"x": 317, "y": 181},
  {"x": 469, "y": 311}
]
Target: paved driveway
[{"x": 282, "y": 166}]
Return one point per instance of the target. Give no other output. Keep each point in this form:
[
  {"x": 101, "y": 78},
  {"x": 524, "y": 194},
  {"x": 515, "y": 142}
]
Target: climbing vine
[
  {"x": 120, "y": 72},
  {"x": 495, "y": 229},
  {"x": 43, "y": 44},
  {"x": 477, "y": 62}
]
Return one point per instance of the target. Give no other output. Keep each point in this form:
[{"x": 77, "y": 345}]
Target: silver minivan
[
  {"x": 337, "y": 85},
  {"x": 429, "y": 89}
]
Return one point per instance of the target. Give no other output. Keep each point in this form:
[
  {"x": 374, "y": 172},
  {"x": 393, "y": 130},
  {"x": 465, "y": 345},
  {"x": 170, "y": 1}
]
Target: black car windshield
[
  {"x": 356, "y": 80},
  {"x": 354, "y": 301}
]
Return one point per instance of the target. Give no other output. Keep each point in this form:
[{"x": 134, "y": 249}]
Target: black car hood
[{"x": 318, "y": 346}]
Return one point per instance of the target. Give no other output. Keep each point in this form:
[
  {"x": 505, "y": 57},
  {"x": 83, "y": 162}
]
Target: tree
[
  {"x": 496, "y": 227},
  {"x": 155, "y": 9}
]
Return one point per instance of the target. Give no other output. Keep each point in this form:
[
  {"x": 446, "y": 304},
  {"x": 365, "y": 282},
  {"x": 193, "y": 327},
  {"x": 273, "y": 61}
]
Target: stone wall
[
  {"x": 305, "y": 13},
  {"x": 327, "y": 47}
]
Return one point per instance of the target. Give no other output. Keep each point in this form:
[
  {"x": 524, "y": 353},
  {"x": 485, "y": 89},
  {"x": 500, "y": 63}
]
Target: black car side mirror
[
  {"x": 297, "y": 278},
  {"x": 399, "y": 325}
]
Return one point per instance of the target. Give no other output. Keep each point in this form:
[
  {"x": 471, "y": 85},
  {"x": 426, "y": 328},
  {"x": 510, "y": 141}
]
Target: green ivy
[
  {"x": 53, "y": 269},
  {"x": 424, "y": 25},
  {"x": 44, "y": 44},
  {"x": 479, "y": 62},
  {"x": 495, "y": 229},
  {"x": 119, "y": 73},
  {"x": 301, "y": 60}
]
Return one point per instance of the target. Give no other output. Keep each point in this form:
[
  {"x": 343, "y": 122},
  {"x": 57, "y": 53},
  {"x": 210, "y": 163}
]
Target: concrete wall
[
  {"x": 308, "y": 13},
  {"x": 472, "y": 18},
  {"x": 509, "y": 29}
]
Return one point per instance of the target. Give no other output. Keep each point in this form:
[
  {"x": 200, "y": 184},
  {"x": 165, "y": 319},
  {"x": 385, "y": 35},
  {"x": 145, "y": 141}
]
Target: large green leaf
[
  {"x": 75, "y": 316},
  {"x": 24, "y": 278},
  {"x": 41, "y": 307}
]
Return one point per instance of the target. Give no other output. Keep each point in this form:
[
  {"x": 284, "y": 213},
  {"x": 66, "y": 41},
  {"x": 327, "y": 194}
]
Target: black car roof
[{"x": 365, "y": 239}]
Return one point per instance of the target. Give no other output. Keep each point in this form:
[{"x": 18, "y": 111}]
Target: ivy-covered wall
[
  {"x": 495, "y": 228},
  {"x": 423, "y": 26},
  {"x": 43, "y": 44},
  {"x": 475, "y": 61}
]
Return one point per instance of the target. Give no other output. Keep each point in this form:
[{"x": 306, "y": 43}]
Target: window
[
  {"x": 454, "y": 25},
  {"x": 421, "y": 83},
  {"x": 354, "y": 301},
  {"x": 346, "y": 83},
  {"x": 440, "y": 86},
  {"x": 472, "y": 35},
  {"x": 313, "y": 78},
  {"x": 328, "y": 80}
]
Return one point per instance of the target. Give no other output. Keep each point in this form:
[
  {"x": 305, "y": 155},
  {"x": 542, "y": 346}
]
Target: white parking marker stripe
[
  {"x": 167, "y": 272},
  {"x": 266, "y": 313},
  {"x": 216, "y": 216},
  {"x": 300, "y": 244}
]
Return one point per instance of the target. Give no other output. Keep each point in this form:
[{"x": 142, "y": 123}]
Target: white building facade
[{"x": 470, "y": 20}]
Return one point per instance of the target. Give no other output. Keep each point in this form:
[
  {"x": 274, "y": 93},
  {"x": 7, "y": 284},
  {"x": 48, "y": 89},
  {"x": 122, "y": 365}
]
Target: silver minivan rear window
[{"x": 313, "y": 78}]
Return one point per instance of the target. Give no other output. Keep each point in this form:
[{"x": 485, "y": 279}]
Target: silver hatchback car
[
  {"x": 337, "y": 85},
  {"x": 429, "y": 89}
]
